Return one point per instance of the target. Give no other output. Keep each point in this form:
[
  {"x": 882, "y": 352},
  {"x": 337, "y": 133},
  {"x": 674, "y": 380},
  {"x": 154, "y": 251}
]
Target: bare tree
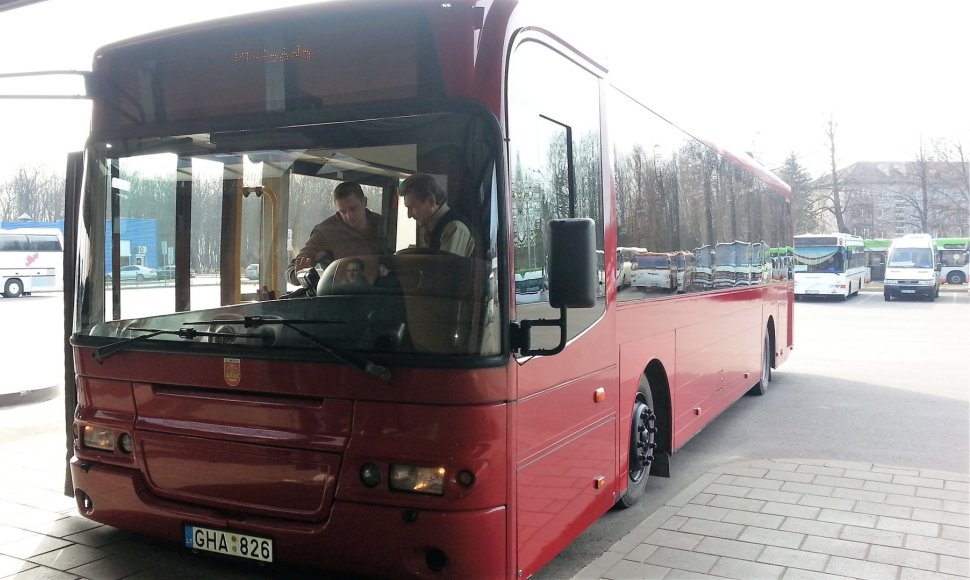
[
  {"x": 838, "y": 204},
  {"x": 35, "y": 191}
]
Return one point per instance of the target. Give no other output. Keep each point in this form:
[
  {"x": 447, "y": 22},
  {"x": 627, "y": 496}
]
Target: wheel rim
[
  {"x": 642, "y": 441},
  {"x": 13, "y": 288}
]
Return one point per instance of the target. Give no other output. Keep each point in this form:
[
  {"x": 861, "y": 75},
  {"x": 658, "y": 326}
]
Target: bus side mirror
[
  {"x": 571, "y": 273},
  {"x": 572, "y": 263}
]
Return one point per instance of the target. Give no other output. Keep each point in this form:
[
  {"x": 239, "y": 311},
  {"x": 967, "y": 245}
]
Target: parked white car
[{"x": 136, "y": 273}]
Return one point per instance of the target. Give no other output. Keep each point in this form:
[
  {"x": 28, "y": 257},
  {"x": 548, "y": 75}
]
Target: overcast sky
[{"x": 759, "y": 74}]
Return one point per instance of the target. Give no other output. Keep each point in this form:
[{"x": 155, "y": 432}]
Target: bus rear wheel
[
  {"x": 13, "y": 288},
  {"x": 643, "y": 432},
  {"x": 955, "y": 277},
  {"x": 762, "y": 387}
]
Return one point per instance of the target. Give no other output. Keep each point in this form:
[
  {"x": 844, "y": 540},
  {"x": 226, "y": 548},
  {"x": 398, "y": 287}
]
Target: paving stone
[
  {"x": 771, "y": 537},
  {"x": 868, "y": 475},
  {"x": 682, "y": 560},
  {"x": 743, "y": 471},
  {"x": 701, "y": 498},
  {"x": 744, "y": 570},
  {"x": 836, "y": 503},
  {"x": 903, "y": 557},
  {"x": 812, "y": 527},
  {"x": 737, "y": 503},
  {"x": 835, "y": 547},
  {"x": 956, "y": 485},
  {"x": 32, "y": 546},
  {"x": 789, "y": 510},
  {"x": 859, "y": 494},
  {"x": 625, "y": 569},
  {"x": 957, "y": 533},
  {"x": 918, "y": 481},
  {"x": 872, "y": 536},
  {"x": 753, "y": 519},
  {"x": 838, "y": 482},
  {"x": 915, "y": 574},
  {"x": 730, "y": 490},
  {"x": 848, "y": 517},
  {"x": 41, "y": 573},
  {"x": 757, "y": 483},
  {"x": 672, "y": 539},
  {"x": 111, "y": 568},
  {"x": 940, "y": 517},
  {"x": 730, "y": 548},
  {"x": 711, "y": 528},
  {"x": 774, "y": 495},
  {"x": 956, "y": 566},
  {"x": 791, "y": 476},
  {"x": 641, "y": 552},
  {"x": 861, "y": 569},
  {"x": 673, "y": 522},
  {"x": 798, "y": 574},
  {"x": 960, "y": 507},
  {"x": 69, "y": 557},
  {"x": 908, "y": 526},
  {"x": 821, "y": 470},
  {"x": 702, "y": 511},
  {"x": 881, "y": 509},
  {"x": 895, "y": 470},
  {"x": 794, "y": 558},
  {"x": 937, "y": 545},
  {"x": 913, "y": 501},
  {"x": 943, "y": 494},
  {"x": 802, "y": 488},
  {"x": 889, "y": 488}
]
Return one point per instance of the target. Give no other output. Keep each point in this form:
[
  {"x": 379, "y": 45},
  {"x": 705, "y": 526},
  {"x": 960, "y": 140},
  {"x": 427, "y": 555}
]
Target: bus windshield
[
  {"x": 252, "y": 199},
  {"x": 819, "y": 259}
]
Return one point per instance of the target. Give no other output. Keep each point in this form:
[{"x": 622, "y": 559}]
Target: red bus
[{"x": 445, "y": 424}]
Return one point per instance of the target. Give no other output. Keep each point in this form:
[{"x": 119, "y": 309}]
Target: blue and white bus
[
  {"x": 31, "y": 260},
  {"x": 830, "y": 265}
]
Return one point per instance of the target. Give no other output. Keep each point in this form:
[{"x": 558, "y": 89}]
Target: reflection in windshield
[
  {"x": 819, "y": 259},
  {"x": 238, "y": 207}
]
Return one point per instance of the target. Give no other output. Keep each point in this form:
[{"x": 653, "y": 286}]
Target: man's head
[
  {"x": 355, "y": 271},
  {"x": 351, "y": 204},
  {"x": 422, "y": 196}
]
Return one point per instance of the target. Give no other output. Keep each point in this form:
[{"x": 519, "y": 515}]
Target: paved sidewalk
[{"x": 802, "y": 520}]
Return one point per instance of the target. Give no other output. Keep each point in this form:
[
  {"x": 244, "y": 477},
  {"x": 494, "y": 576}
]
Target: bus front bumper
[{"x": 356, "y": 538}]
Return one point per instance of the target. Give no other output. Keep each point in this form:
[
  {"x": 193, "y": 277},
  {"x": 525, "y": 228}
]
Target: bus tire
[
  {"x": 761, "y": 387},
  {"x": 643, "y": 435},
  {"x": 13, "y": 288},
  {"x": 955, "y": 277}
]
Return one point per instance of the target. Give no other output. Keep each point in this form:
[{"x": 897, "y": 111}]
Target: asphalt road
[{"x": 868, "y": 381}]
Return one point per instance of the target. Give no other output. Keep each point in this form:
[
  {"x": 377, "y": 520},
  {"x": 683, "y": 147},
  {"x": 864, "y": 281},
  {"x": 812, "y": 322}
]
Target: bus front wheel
[
  {"x": 643, "y": 435},
  {"x": 13, "y": 288}
]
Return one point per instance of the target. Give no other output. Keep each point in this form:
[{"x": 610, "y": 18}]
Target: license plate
[
  {"x": 811, "y": 292},
  {"x": 229, "y": 543},
  {"x": 908, "y": 291}
]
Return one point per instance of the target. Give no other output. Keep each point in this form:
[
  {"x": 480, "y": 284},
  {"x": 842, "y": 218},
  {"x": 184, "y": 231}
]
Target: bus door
[{"x": 565, "y": 405}]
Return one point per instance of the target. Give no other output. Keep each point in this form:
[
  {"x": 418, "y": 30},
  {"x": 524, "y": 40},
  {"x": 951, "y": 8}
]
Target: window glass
[
  {"x": 554, "y": 140},
  {"x": 254, "y": 207},
  {"x": 678, "y": 198}
]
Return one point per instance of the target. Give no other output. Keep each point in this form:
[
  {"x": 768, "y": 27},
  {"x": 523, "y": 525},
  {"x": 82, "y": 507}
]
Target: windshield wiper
[
  {"x": 344, "y": 356},
  {"x": 107, "y": 350}
]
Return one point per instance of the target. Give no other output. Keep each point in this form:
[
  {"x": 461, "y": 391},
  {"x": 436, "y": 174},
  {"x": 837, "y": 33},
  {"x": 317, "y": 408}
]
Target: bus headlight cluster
[
  {"x": 103, "y": 439},
  {"x": 429, "y": 480}
]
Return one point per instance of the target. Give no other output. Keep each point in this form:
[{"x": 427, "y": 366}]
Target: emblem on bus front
[{"x": 231, "y": 371}]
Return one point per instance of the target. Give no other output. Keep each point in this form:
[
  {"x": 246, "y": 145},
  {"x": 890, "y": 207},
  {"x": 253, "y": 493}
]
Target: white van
[{"x": 911, "y": 268}]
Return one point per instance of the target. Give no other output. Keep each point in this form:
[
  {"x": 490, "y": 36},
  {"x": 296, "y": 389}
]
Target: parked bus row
[{"x": 726, "y": 265}]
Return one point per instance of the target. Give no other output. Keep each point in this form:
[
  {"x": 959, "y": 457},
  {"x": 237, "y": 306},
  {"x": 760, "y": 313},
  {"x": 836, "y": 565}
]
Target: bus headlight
[
  {"x": 98, "y": 438},
  {"x": 429, "y": 480}
]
